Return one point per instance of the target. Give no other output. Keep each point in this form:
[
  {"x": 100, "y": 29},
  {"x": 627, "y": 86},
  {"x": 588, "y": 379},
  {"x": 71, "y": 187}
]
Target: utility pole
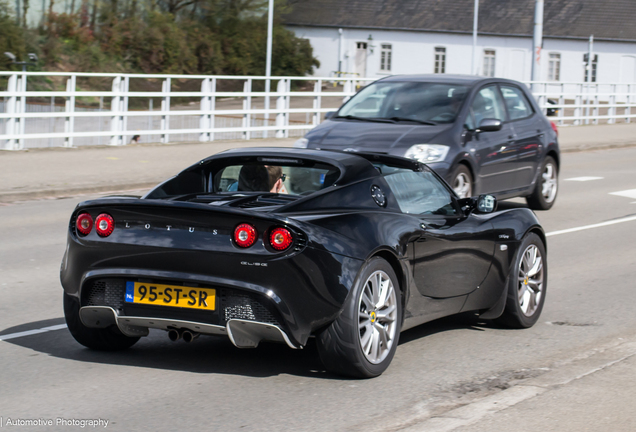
[
  {"x": 537, "y": 41},
  {"x": 475, "y": 22},
  {"x": 268, "y": 62}
]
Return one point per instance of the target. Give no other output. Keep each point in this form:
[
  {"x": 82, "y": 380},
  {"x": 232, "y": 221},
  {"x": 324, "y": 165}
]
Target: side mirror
[
  {"x": 329, "y": 114},
  {"x": 486, "y": 204},
  {"x": 481, "y": 205},
  {"x": 490, "y": 125}
]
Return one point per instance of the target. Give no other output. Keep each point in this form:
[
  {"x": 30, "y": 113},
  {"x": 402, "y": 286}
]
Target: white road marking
[
  {"x": 584, "y": 179},
  {"x": 587, "y": 227},
  {"x": 626, "y": 193},
  {"x": 32, "y": 332}
]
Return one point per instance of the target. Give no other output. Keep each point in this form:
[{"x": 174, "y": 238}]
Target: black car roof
[
  {"x": 353, "y": 166},
  {"x": 468, "y": 80}
]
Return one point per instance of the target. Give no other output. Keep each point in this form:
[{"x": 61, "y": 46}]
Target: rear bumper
[
  {"x": 242, "y": 333},
  {"x": 294, "y": 295}
]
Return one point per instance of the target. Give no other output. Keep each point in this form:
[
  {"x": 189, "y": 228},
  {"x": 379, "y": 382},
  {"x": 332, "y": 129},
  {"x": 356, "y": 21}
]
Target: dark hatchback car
[{"x": 482, "y": 135}]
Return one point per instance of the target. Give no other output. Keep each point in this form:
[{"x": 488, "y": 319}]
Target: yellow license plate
[{"x": 170, "y": 295}]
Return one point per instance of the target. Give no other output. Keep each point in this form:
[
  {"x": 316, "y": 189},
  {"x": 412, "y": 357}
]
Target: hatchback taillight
[
  {"x": 280, "y": 239},
  {"x": 554, "y": 128},
  {"x": 84, "y": 223},
  {"x": 104, "y": 225},
  {"x": 245, "y": 235}
]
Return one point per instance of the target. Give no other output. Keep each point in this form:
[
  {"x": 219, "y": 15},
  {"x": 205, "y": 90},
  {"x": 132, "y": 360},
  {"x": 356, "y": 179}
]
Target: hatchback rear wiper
[
  {"x": 369, "y": 119},
  {"x": 424, "y": 122}
]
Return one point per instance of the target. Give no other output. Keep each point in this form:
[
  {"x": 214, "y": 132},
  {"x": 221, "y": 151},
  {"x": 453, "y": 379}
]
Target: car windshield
[{"x": 407, "y": 101}]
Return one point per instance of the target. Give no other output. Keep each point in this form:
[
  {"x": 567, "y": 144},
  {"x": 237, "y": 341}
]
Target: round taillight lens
[
  {"x": 84, "y": 223},
  {"x": 245, "y": 235},
  {"x": 280, "y": 239},
  {"x": 104, "y": 225}
]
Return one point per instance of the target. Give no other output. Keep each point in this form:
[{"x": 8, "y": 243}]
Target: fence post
[
  {"x": 628, "y": 110},
  {"x": 611, "y": 112},
  {"x": 317, "y": 101},
  {"x": 115, "y": 106},
  {"x": 595, "y": 110},
  {"x": 247, "y": 105},
  {"x": 124, "y": 110},
  {"x": 280, "y": 106},
  {"x": 69, "y": 108},
  {"x": 212, "y": 107},
  {"x": 11, "y": 109},
  {"x": 22, "y": 85},
  {"x": 346, "y": 88},
  {"x": 287, "y": 107},
  {"x": 165, "y": 107},
  {"x": 204, "y": 107},
  {"x": 578, "y": 101}
]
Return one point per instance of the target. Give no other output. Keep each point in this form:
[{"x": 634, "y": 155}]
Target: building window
[
  {"x": 440, "y": 60},
  {"x": 489, "y": 63},
  {"x": 361, "y": 45},
  {"x": 554, "y": 67},
  {"x": 593, "y": 66},
  {"x": 385, "y": 58}
]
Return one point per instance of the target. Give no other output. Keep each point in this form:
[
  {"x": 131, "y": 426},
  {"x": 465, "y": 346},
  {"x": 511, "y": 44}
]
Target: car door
[
  {"x": 453, "y": 252},
  {"x": 494, "y": 152},
  {"x": 528, "y": 128}
]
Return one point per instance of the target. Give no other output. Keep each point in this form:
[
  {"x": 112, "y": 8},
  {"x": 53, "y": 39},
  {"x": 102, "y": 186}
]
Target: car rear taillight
[
  {"x": 104, "y": 225},
  {"x": 245, "y": 235},
  {"x": 84, "y": 223},
  {"x": 554, "y": 128},
  {"x": 280, "y": 239}
]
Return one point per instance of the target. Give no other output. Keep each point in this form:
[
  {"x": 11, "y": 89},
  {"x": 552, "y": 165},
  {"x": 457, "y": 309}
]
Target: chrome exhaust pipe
[
  {"x": 189, "y": 336},
  {"x": 174, "y": 335}
]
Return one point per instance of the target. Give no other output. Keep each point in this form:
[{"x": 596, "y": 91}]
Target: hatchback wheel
[
  {"x": 462, "y": 182},
  {"x": 545, "y": 191}
]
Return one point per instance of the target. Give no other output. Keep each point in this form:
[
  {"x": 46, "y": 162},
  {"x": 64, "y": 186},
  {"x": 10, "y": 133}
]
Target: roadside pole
[
  {"x": 537, "y": 43},
  {"x": 268, "y": 64},
  {"x": 475, "y": 23},
  {"x": 588, "y": 76}
]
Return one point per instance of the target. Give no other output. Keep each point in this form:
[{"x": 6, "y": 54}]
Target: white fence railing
[
  {"x": 587, "y": 103},
  {"x": 76, "y": 109}
]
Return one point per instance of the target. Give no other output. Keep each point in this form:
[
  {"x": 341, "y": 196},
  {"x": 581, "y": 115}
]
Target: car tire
[
  {"x": 527, "y": 285},
  {"x": 106, "y": 339},
  {"x": 362, "y": 341},
  {"x": 462, "y": 181},
  {"x": 547, "y": 187}
]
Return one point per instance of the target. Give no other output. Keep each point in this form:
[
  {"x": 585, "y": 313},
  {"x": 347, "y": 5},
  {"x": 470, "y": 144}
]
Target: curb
[{"x": 597, "y": 147}]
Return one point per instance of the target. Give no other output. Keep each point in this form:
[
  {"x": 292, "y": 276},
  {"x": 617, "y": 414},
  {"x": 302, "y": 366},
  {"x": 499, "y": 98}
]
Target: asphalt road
[{"x": 210, "y": 385}]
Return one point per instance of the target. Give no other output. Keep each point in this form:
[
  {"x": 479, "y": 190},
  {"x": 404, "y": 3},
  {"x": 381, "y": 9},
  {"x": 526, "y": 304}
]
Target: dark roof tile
[{"x": 609, "y": 19}]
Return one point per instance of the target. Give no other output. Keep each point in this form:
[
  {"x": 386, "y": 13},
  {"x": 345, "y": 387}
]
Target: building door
[{"x": 361, "y": 59}]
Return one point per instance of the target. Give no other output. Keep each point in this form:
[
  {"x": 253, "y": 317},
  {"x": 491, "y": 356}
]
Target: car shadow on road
[
  {"x": 463, "y": 321},
  {"x": 209, "y": 355}
]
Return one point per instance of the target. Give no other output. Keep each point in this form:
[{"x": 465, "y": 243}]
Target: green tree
[{"x": 12, "y": 38}]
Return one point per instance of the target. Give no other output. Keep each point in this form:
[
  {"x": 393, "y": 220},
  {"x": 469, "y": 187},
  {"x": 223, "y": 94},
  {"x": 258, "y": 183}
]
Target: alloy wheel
[
  {"x": 462, "y": 186},
  {"x": 530, "y": 288},
  {"x": 377, "y": 316},
  {"x": 549, "y": 186}
]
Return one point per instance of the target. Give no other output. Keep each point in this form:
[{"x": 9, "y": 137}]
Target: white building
[{"x": 374, "y": 38}]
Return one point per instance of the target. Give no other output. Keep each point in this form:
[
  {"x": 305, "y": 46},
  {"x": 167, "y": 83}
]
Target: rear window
[{"x": 284, "y": 179}]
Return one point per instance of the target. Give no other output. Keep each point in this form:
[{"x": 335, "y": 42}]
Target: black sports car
[{"x": 285, "y": 244}]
